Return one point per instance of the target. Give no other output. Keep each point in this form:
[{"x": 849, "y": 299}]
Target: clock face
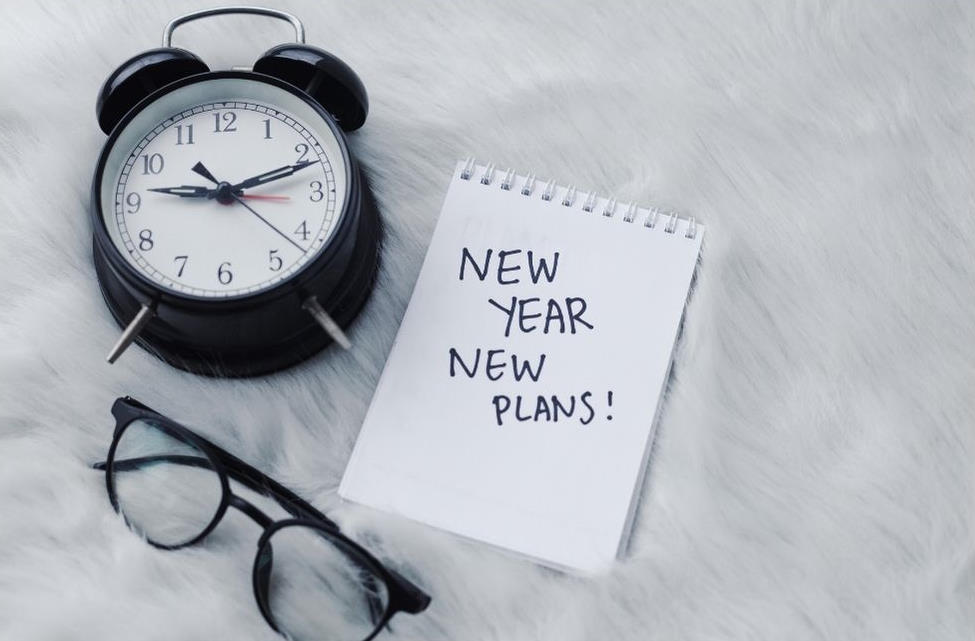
[{"x": 223, "y": 188}]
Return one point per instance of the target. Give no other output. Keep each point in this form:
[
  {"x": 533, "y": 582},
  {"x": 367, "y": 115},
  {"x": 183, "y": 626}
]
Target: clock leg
[
  {"x": 313, "y": 307},
  {"x": 131, "y": 332}
]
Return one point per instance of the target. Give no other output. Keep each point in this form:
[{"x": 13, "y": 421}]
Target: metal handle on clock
[{"x": 167, "y": 39}]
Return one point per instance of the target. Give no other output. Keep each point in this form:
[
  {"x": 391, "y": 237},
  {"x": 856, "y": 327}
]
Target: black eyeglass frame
[{"x": 404, "y": 596}]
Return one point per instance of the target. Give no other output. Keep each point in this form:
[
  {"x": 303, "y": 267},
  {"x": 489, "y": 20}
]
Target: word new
[
  {"x": 495, "y": 365},
  {"x": 536, "y": 270}
]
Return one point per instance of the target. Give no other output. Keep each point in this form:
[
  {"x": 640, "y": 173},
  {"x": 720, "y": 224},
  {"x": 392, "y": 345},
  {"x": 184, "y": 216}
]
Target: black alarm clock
[{"x": 234, "y": 233}]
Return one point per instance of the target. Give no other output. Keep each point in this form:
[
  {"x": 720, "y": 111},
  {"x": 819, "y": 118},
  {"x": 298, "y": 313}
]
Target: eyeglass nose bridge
[{"x": 251, "y": 510}]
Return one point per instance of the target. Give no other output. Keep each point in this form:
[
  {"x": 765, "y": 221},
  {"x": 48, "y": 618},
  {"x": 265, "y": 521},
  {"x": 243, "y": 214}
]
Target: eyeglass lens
[
  {"x": 297, "y": 562},
  {"x": 167, "y": 489}
]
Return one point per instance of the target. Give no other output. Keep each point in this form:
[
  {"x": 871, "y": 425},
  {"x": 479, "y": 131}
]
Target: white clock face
[{"x": 223, "y": 188}]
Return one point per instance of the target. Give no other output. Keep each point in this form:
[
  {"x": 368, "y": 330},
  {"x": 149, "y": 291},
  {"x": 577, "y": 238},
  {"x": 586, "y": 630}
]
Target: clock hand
[
  {"x": 199, "y": 168},
  {"x": 265, "y": 197},
  {"x": 225, "y": 194},
  {"x": 265, "y": 221},
  {"x": 274, "y": 174},
  {"x": 186, "y": 191}
]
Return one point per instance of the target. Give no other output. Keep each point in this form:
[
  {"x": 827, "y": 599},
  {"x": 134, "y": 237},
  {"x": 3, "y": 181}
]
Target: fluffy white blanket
[{"x": 814, "y": 473}]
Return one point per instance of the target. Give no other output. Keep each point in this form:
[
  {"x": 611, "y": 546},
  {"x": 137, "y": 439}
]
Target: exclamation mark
[{"x": 609, "y": 402}]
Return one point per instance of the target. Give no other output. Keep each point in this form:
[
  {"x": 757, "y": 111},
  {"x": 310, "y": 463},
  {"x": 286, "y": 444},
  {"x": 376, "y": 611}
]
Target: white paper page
[{"x": 431, "y": 447}]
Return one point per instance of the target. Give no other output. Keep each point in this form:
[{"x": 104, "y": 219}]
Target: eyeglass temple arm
[
  {"x": 411, "y": 598},
  {"x": 124, "y": 465}
]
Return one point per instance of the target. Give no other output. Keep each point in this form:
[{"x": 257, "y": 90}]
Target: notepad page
[{"x": 518, "y": 401}]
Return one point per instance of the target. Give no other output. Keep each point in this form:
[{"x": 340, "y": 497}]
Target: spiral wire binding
[
  {"x": 630, "y": 212},
  {"x": 570, "y": 196},
  {"x": 508, "y": 177},
  {"x": 468, "y": 169},
  {"x": 671, "y": 224},
  {"x": 590, "y": 201},
  {"x": 651, "y": 221},
  {"x": 569, "y": 199},
  {"x": 549, "y": 190},
  {"x": 488, "y": 174}
]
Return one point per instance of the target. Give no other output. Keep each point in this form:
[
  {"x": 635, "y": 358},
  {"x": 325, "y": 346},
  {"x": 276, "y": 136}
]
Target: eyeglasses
[{"x": 310, "y": 581}]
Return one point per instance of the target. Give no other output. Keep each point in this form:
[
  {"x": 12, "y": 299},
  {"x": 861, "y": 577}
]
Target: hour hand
[
  {"x": 274, "y": 174},
  {"x": 186, "y": 191}
]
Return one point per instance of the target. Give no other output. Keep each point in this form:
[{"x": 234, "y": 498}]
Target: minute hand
[
  {"x": 268, "y": 176},
  {"x": 186, "y": 191}
]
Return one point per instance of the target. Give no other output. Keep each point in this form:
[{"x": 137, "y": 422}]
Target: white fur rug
[{"x": 814, "y": 473}]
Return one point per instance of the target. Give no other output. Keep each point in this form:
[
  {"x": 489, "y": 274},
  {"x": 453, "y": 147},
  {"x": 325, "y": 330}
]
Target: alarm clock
[{"x": 234, "y": 233}]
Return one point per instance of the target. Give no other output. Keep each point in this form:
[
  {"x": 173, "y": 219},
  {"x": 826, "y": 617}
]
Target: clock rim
[{"x": 303, "y": 275}]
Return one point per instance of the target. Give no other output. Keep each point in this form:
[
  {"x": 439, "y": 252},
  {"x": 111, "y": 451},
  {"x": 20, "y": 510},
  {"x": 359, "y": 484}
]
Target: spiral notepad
[{"x": 519, "y": 401}]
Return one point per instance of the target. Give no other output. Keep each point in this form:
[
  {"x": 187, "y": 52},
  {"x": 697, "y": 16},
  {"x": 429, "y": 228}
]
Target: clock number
[
  {"x": 267, "y": 129},
  {"x": 316, "y": 191},
  {"x": 275, "y": 260},
  {"x": 302, "y": 150},
  {"x": 224, "y": 121},
  {"x": 182, "y": 265},
  {"x": 224, "y": 275},
  {"x": 134, "y": 201},
  {"x": 179, "y": 134},
  {"x": 152, "y": 164},
  {"x": 302, "y": 230},
  {"x": 145, "y": 240}
]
